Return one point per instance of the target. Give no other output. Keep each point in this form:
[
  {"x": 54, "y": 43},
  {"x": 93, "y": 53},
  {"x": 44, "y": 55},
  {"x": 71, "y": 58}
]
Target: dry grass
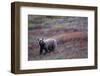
[{"x": 70, "y": 45}]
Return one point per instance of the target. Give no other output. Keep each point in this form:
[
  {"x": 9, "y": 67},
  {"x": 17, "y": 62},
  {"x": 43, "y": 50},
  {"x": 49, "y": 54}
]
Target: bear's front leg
[
  {"x": 46, "y": 50},
  {"x": 41, "y": 50}
]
